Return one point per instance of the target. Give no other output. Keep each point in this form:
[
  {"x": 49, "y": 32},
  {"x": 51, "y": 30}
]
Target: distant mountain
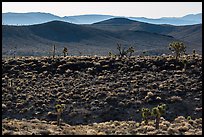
[
  {"x": 39, "y": 17},
  {"x": 98, "y": 38},
  {"x": 27, "y": 18},
  {"x": 185, "y": 20},
  {"x": 87, "y": 19},
  {"x": 116, "y": 21},
  {"x": 193, "y": 17},
  {"x": 190, "y": 33},
  {"x": 31, "y": 18}
]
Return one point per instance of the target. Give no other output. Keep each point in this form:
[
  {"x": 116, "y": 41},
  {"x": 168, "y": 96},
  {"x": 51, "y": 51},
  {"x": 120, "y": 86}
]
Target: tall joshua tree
[
  {"x": 157, "y": 112},
  {"x": 123, "y": 52},
  {"x": 146, "y": 114},
  {"x": 59, "y": 109},
  {"x": 178, "y": 48}
]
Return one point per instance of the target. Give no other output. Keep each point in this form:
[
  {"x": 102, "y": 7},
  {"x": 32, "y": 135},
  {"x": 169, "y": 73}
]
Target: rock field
[{"x": 101, "y": 94}]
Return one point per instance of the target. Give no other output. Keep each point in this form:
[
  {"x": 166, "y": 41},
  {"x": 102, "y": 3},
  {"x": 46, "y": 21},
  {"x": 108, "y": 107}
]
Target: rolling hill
[
  {"x": 192, "y": 34},
  {"x": 98, "y": 38}
]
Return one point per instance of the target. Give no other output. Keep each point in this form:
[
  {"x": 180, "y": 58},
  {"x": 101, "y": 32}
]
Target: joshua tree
[
  {"x": 131, "y": 50},
  {"x": 178, "y": 48},
  {"x": 65, "y": 51},
  {"x": 146, "y": 114},
  {"x": 59, "y": 109},
  {"x": 158, "y": 111},
  {"x": 123, "y": 52}
]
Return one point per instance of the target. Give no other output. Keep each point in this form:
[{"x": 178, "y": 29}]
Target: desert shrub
[
  {"x": 189, "y": 118},
  {"x": 65, "y": 51},
  {"x": 175, "y": 99},
  {"x": 110, "y": 54},
  {"x": 144, "y": 53}
]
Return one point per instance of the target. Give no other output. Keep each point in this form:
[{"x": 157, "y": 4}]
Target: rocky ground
[
  {"x": 180, "y": 126},
  {"x": 98, "y": 90}
]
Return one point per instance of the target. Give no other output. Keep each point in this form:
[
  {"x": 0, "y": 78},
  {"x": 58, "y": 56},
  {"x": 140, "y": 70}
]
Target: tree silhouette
[
  {"x": 65, "y": 51},
  {"x": 178, "y": 48}
]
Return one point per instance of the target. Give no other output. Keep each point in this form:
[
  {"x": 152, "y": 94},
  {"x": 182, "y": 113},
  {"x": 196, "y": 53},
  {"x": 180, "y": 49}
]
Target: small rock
[
  {"x": 44, "y": 132},
  {"x": 4, "y": 106},
  {"x": 8, "y": 132}
]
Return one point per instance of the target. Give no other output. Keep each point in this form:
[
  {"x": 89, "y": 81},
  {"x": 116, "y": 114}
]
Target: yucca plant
[
  {"x": 59, "y": 109},
  {"x": 65, "y": 51},
  {"x": 131, "y": 50},
  {"x": 178, "y": 48},
  {"x": 145, "y": 115},
  {"x": 157, "y": 112},
  {"x": 122, "y": 51}
]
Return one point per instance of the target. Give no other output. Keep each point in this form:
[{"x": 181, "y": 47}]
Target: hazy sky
[{"x": 133, "y": 9}]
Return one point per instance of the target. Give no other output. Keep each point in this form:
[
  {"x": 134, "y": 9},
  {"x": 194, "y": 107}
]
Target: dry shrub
[{"x": 175, "y": 99}]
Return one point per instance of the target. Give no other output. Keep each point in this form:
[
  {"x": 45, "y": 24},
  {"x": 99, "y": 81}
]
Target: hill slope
[
  {"x": 78, "y": 38},
  {"x": 100, "y": 89},
  {"x": 191, "y": 34}
]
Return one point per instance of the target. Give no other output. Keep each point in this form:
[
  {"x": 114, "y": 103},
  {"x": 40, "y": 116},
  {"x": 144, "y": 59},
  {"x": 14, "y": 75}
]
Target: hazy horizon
[
  {"x": 127, "y": 9},
  {"x": 95, "y": 14}
]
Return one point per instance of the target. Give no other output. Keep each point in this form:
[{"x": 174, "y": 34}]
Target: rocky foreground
[
  {"x": 98, "y": 90},
  {"x": 180, "y": 126}
]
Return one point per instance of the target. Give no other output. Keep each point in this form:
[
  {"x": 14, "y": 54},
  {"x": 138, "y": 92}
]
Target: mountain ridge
[{"x": 91, "y": 18}]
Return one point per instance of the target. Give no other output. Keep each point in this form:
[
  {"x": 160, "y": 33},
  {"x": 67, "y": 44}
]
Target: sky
[{"x": 128, "y": 9}]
